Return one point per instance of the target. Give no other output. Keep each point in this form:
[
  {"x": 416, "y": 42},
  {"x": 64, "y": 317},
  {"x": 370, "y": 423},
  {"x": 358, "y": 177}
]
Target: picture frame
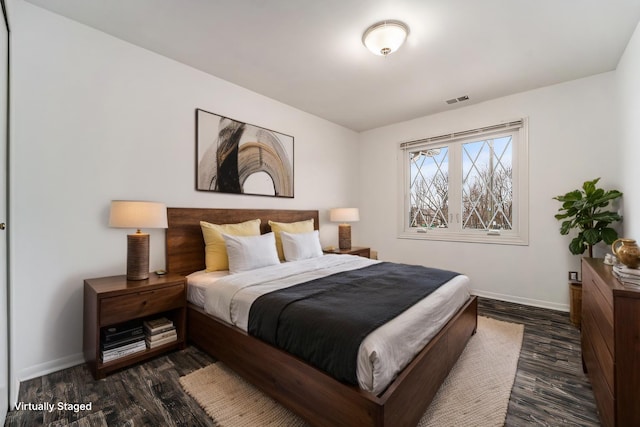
[{"x": 241, "y": 158}]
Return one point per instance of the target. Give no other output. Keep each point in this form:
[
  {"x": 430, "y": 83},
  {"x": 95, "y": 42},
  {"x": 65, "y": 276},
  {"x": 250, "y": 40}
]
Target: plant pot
[{"x": 575, "y": 303}]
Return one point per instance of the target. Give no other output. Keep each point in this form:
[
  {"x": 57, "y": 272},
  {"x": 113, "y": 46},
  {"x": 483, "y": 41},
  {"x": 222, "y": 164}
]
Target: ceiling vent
[{"x": 458, "y": 99}]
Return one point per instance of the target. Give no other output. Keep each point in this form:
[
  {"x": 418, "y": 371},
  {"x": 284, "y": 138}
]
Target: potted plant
[{"x": 585, "y": 210}]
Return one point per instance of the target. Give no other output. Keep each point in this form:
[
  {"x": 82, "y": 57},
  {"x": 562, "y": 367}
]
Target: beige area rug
[{"x": 476, "y": 392}]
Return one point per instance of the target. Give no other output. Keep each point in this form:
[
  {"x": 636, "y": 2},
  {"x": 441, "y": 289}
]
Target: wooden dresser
[{"x": 611, "y": 343}]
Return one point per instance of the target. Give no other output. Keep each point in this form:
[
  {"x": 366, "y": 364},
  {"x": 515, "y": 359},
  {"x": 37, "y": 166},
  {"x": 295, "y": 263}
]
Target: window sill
[{"x": 503, "y": 239}]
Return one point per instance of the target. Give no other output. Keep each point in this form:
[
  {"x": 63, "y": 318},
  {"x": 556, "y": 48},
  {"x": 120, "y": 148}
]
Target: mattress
[
  {"x": 198, "y": 283},
  {"x": 382, "y": 354}
]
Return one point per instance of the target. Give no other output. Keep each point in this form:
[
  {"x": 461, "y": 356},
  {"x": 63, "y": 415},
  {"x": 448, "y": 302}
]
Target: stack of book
[
  {"x": 159, "y": 332},
  {"x": 121, "y": 340},
  {"x": 627, "y": 276}
]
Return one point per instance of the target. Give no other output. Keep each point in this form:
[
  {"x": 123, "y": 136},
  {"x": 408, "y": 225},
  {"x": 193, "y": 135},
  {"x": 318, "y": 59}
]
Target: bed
[{"x": 311, "y": 393}]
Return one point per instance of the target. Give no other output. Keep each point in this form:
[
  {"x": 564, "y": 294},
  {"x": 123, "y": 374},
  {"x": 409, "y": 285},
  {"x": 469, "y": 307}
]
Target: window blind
[{"x": 463, "y": 134}]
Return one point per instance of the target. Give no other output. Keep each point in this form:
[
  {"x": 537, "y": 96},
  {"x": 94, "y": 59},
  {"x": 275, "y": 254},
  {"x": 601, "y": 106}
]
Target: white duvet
[{"x": 382, "y": 354}]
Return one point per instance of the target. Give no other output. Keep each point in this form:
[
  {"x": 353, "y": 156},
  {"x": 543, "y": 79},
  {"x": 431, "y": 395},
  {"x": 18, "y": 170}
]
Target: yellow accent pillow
[
  {"x": 215, "y": 251},
  {"x": 289, "y": 227}
]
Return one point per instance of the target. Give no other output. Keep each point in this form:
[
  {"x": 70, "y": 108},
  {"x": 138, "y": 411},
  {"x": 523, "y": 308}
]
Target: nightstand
[
  {"x": 114, "y": 300},
  {"x": 354, "y": 250}
]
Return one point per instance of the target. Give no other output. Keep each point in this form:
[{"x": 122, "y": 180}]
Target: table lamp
[
  {"x": 344, "y": 215},
  {"x": 137, "y": 214}
]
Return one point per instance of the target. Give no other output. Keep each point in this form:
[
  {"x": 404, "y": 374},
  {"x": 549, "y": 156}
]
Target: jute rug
[{"x": 476, "y": 392}]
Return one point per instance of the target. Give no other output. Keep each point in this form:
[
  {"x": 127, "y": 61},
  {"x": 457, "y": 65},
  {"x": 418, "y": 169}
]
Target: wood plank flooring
[{"x": 550, "y": 388}]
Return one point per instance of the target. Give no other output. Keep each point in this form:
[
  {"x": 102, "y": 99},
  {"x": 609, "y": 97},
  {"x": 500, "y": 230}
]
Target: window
[{"x": 467, "y": 186}]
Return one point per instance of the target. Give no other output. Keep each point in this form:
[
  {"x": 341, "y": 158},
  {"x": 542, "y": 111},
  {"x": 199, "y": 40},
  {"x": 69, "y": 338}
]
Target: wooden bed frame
[{"x": 307, "y": 391}]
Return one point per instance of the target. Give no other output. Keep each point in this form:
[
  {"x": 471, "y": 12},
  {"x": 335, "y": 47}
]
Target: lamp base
[
  {"x": 344, "y": 236},
  {"x": 137, "y": 256}
]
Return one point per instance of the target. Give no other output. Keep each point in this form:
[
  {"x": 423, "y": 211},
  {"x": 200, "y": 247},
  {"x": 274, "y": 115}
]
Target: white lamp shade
[
  {"x": 136, "y": 214},
  {"x": 344, "y": 215},
  {"x": 385, "y": 37}
]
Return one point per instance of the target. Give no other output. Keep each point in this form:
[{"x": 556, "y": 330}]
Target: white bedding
[
  {"x": 198, "y": 283},
  {"x": 382, "y": 354}
]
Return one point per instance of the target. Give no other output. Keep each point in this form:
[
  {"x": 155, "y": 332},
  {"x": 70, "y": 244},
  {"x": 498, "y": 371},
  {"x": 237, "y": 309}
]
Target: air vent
[{"x": 458, "y": 99}]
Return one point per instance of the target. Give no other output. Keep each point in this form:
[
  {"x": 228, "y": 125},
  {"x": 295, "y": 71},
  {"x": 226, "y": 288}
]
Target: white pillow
[
  {"x": 297, "y": 246},
  {"x": 250, "y": 252}
]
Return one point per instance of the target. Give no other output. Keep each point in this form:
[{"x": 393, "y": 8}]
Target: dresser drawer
[
  {"x": 604, "y": 397},
  {"x": 139, "y": 304},
  {"x": 595, "y": 302},
  {"x": 596, "y": 344}
]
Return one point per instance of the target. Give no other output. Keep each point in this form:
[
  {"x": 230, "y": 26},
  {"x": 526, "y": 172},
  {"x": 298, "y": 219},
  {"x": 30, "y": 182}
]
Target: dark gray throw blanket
[{"x": 323, "y": 321}]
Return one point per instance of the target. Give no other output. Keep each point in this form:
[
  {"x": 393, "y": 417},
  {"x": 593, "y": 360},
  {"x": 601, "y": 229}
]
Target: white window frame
[{"x": 518, "y": 235}]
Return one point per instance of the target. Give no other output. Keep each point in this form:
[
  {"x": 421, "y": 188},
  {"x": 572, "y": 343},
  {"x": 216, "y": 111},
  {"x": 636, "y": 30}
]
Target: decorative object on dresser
[
  {"x": 629, "y": 277},
  {"x": 627, "y": 252},
  {"x": 137, "y": 214},
  {"x": 355, "y": 250},
  {"x": 115, "y": 311},
  {"x": 344, "y": 216},
  {"x": 610, "y": 342},
  {"x": 236, "y": 157}
]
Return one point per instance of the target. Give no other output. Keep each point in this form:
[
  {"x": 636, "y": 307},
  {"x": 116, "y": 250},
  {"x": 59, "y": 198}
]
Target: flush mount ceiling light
[{"x": 385, "y": 37}]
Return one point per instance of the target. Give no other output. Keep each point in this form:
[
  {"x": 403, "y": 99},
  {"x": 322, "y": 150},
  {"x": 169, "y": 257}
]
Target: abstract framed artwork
[{"x": 240, "y": 158}]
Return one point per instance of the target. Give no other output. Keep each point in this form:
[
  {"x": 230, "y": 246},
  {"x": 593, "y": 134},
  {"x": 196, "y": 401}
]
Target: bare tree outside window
[
  {"x": 429, "y": 188},
  {"x": 487, "y": 186},
  {"x": 487, "y": 189}
]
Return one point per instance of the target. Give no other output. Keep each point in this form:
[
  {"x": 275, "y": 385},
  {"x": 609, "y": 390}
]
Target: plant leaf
[
  {"x": 590, "y": 186},
  {"x": 571, "y": 196},
  {"x": 607, "y": 216},
  {"x": 609, "y": 235},
  {"x": 591, "y": 236},
  {"x": 607, "y": 197},
  {"x": 577, "y": 246}
]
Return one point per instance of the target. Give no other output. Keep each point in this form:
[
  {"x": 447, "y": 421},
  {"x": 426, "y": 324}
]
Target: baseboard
[
  {"x": 44, "y": 369},
  {"x": 523, "y": 301}
]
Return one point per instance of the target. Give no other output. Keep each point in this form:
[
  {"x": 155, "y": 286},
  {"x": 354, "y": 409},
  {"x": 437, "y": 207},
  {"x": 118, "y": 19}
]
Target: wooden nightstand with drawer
[{"x": 110, "y": 301}]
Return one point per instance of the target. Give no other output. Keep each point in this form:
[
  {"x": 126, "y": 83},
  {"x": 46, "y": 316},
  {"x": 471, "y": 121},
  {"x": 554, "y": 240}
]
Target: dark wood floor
[{"x": 550, "y": 388}]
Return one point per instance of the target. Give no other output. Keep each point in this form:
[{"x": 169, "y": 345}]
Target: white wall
[
  {"x": 96, "y": 119},
  {"x": 628, "y": 79},
  {"x": 570, "y": 141}
]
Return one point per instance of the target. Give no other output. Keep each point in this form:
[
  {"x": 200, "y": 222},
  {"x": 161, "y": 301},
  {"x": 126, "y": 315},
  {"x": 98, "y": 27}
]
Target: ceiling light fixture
[{"x": 385, "y": 37}]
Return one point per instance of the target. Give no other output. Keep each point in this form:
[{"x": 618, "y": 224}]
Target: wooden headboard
[{"x": 184, "y": 242}]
